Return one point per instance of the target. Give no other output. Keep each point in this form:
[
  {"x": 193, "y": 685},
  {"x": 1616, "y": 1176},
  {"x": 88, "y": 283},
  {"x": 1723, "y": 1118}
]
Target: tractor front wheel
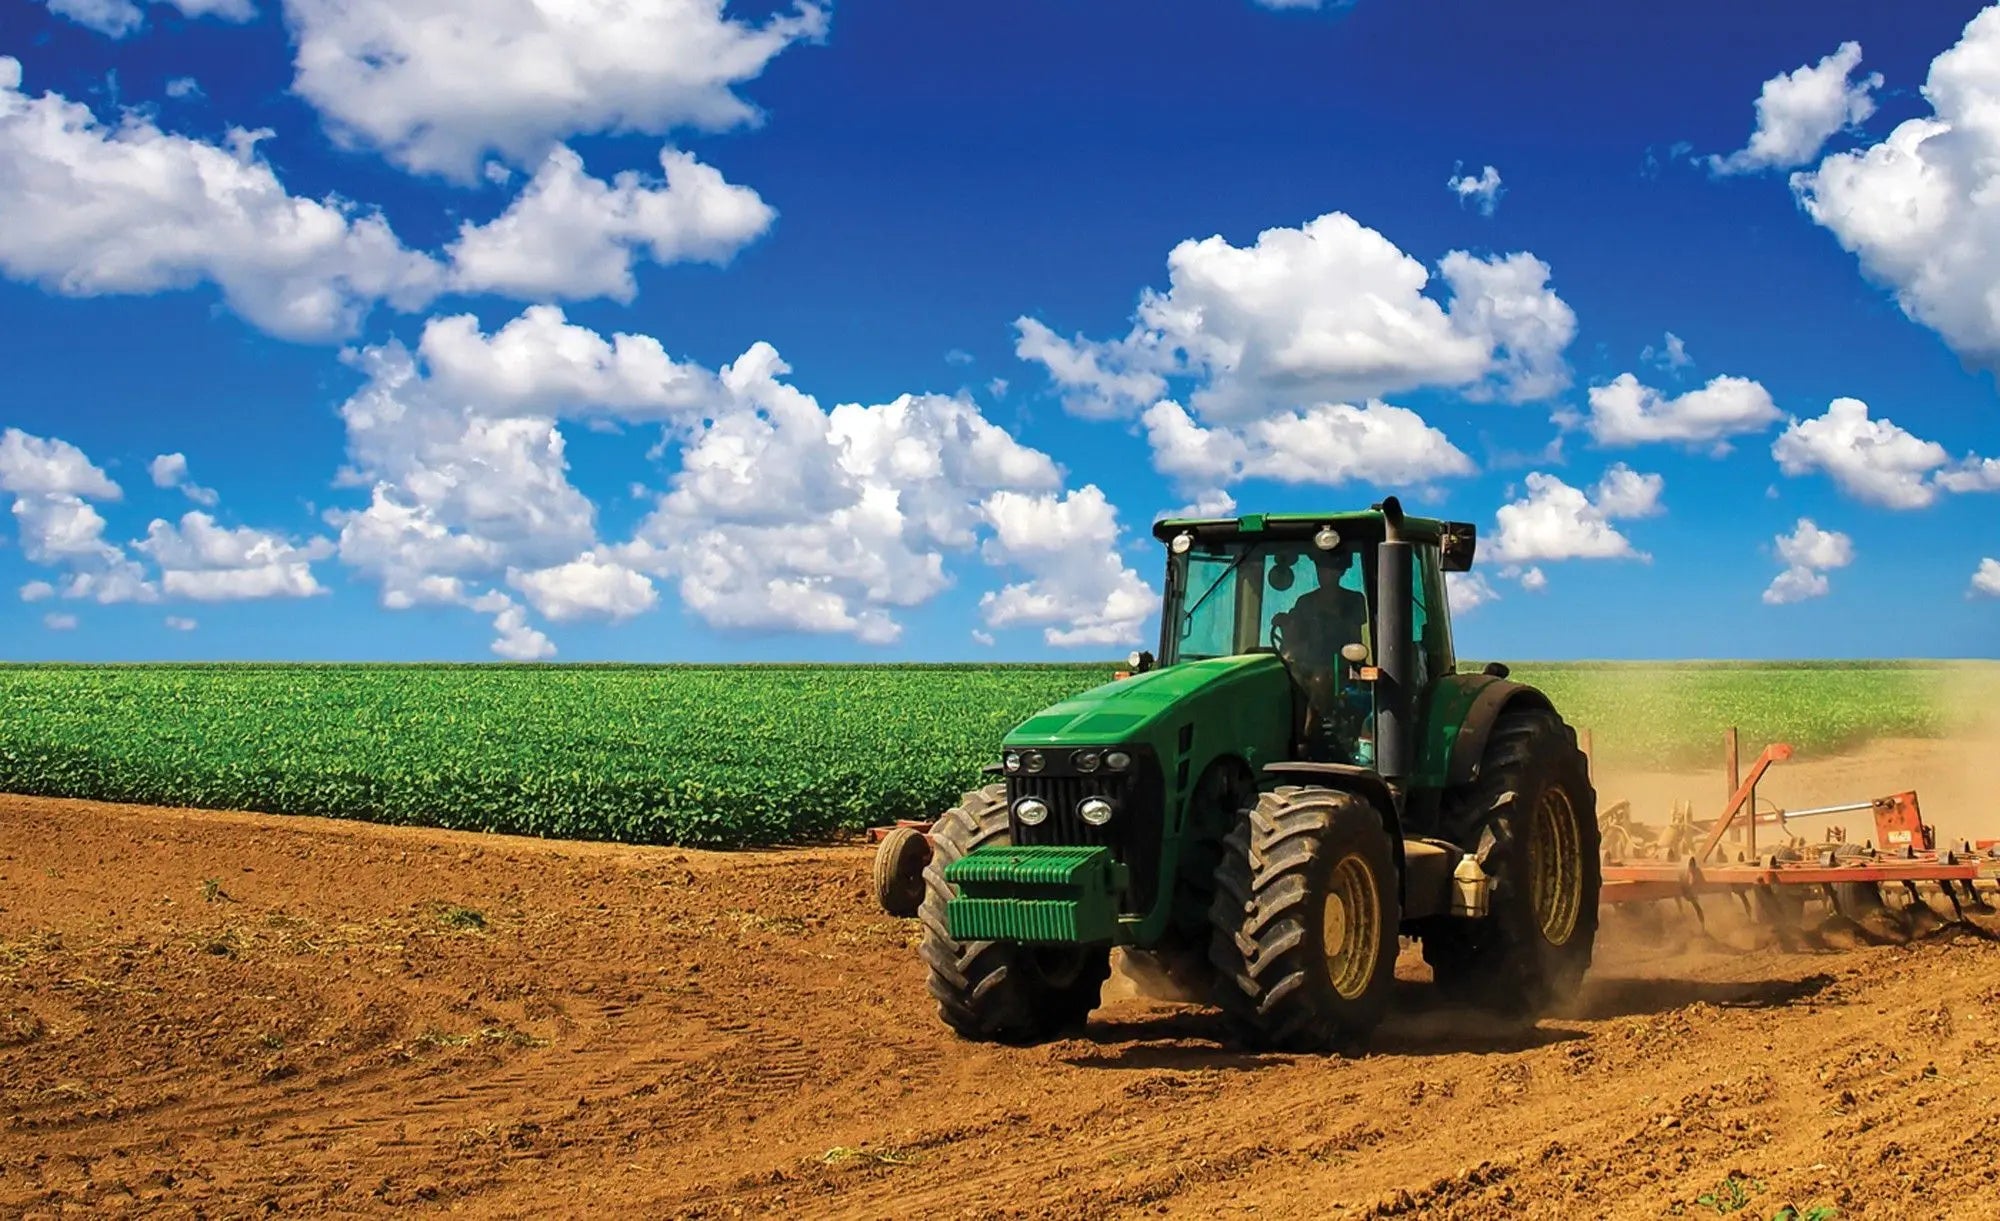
[
  {"x": 1530, "y": 820},
  {"x": 1304, "y": 922},
  {"x": 999, "y": 991}
]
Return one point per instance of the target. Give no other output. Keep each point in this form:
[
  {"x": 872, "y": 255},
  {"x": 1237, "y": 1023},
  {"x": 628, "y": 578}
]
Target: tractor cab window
[
  {"x": 1207, "y": 625},
  {"x": 1316, "y": 604},
  {"x": 1286, "y": 596}
]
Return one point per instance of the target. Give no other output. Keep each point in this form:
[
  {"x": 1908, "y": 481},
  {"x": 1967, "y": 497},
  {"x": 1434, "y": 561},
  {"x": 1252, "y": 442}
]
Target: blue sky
[{"x": 930, "y": 310}]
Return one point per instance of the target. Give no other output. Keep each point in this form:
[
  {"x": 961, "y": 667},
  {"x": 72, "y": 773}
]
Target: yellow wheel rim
[
  {"x": 1351, "y": 927},
  {"x": 1555, "y": 863}
]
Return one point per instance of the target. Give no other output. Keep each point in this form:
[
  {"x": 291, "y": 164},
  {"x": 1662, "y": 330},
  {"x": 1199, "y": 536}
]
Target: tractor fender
[
  {"x": 1364, "y": 782},
  {"x": 1493, "y": 699}
]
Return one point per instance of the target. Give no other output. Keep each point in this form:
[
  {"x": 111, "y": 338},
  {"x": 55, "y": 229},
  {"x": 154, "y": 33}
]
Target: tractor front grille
[{"x": 1134, "y": 832}]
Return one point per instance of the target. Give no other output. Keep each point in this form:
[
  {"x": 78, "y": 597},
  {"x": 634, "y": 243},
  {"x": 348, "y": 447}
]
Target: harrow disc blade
[{"x": 1924, "y": 920}]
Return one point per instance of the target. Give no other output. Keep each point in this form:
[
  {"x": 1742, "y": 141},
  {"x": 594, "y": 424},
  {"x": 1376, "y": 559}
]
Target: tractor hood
[{"x": 1130, "y": 708}]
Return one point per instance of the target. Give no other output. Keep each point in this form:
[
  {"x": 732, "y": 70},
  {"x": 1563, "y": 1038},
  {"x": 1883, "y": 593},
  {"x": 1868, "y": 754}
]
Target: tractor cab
[{"x": 1309, "y": 589}]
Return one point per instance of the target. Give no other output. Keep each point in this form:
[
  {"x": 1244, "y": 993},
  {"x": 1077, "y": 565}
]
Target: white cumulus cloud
[
  {"x": 1098, "y": 380},
  {"x": 87, "y": 210},
  {"x": 1800, "y": 110},
  {"x": 57, "y": 621},
  {"x": 1482, "y": 191},
  {"x": 588, "y": 585},
  {"x": 50, "y": 466},
  {"x": 516, "y": 639},
  {"x": 1876, "y": 460},
  {"x": 1808, "y": 546},
  {"x": 1627, "y": 412},
  {"x": 52, "y": 482},
  {"x": 1555, "y": 521},
  {"x": 786, "y": 515},
  {"x": 1919, "y": 209},
  {"x": 181, "y": 623},
  {"x": 1331, "y": 311},
  {"x": 781, "y": 514},
  {"x": 1211, "y": 502},
  {"x": 1808, "y": 553},
  {"x": 437, "y": 85},
  {"x": 206, "y": 562},
  {"x": 569, "y": 235},
  {"x": 1972, "y": 474},
  {"x": 1671, "y": 354},
  {"x": 540, "y": 363},
  {"x": 171, "y": 471},
  {"x": 1986, "y": 579},
  {"x": 1797, "y": 585},
  {"x": 1328, "y": 444},
  {"x": 1624, "y": 492},
  {"x": 1468, "y": 591},
  {"x": 1079, "y": 591}
]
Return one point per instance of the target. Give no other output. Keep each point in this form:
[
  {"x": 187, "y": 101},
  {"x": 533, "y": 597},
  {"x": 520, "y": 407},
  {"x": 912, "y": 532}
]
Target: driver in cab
[{"x": 1311, "y": 634}]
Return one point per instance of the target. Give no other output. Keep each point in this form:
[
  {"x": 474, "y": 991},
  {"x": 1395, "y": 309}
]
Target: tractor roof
[
  {"x": 1457, "y": 538},
  {"x": 1288, "y": 525}
]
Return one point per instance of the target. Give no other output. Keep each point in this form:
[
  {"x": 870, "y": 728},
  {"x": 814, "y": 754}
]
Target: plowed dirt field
[{"x": 224, "y": 1014}]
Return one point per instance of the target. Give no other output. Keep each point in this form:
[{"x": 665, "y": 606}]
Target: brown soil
[{"x": 221, "y": 1013}]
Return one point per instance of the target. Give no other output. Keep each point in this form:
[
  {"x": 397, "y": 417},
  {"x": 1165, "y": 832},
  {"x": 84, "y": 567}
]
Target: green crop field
[{"x": 732, "y": 756}]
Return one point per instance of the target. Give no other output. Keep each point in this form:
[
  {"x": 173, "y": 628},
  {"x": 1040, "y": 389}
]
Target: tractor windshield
[{"x": 1289, "y": 596}]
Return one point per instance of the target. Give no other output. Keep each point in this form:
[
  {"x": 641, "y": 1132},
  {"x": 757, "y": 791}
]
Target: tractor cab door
[
  {"x": 1315, "y": 604},
  {"x": 1430, "y": 623},
  {"x": 1432, "y": 657}
]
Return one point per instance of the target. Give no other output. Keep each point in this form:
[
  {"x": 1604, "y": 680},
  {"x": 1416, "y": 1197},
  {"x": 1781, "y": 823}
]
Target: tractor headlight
[
  {"x": 1117, "y": 760},
  {"x": 1087, "y": 760},
  {"x": 1012, "y": 762},
  {"x": 1032, "y": 811},
  {"x": 1182, "y": 542},
  {"x": 1327, "y": 538},
  {"x": 1032, "y": 761},
  {"x": 1095, "y": 810}
]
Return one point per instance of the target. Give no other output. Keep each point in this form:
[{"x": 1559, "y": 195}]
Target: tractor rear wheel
[
  {"x": 1530, "y": 819},
  {"x": 1304, "y": 922},
  {"x": 999, "y": 991}
]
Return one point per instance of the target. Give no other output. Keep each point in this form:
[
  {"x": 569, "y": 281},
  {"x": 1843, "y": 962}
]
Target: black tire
[
  {"x": 999, "y": 991},
  {"x": 899, "y": 871},
  {"x": 1531, "y": 950},
  {"x": 1856, "y": 899},
  {"x": 1283, "y": 864}
]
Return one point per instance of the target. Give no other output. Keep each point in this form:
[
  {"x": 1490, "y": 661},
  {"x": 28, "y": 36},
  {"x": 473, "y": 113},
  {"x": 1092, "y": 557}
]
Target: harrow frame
[{"x": 1906, "y": 857}]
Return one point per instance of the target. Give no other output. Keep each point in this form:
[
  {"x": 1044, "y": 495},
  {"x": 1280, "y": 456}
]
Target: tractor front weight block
[{"x": 1059, "y": 895}]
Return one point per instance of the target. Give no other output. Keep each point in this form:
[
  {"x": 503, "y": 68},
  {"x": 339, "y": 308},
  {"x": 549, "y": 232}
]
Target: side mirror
[
  {"x": 1140, "y": 661},
  {"x": 1457, "y": 545}
]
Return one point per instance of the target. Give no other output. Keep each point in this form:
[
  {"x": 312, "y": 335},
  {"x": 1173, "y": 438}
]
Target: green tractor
[{"x": 1299, "y": 778}]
